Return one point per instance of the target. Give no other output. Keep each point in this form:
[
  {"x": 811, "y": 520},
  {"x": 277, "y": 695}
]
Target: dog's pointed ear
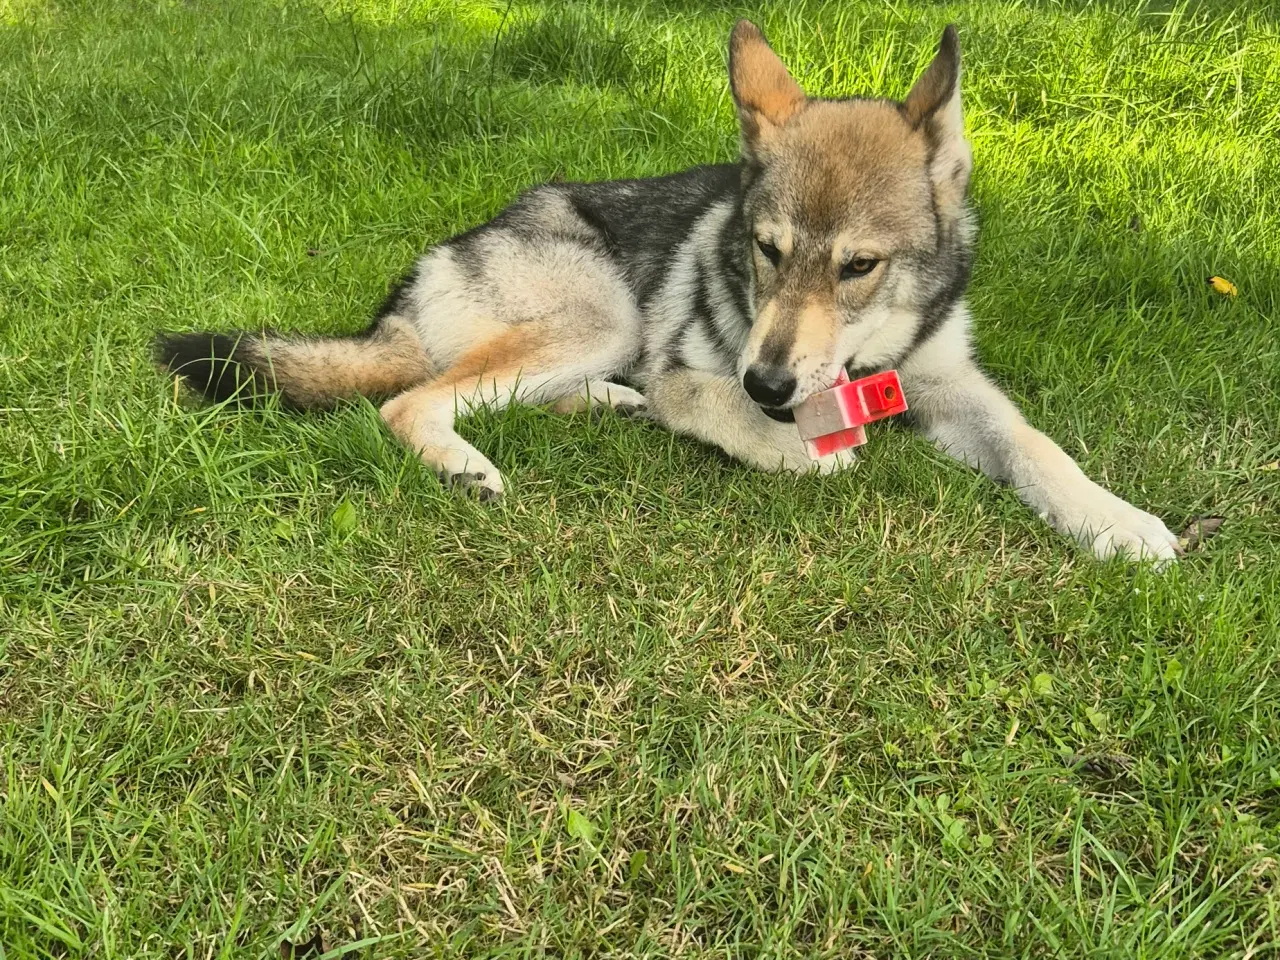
[
  {"x": 933, "y": 105},
  {"x": 937, "y": 92},
  {"x": 765, "y": 93}
]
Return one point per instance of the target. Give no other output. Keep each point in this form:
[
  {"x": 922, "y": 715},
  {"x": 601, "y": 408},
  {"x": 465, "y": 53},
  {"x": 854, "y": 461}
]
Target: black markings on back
[
  {"x": 396, "y": 301},
  {"x": 598, "y": 224},
  {"x": 649, "y": 219},
  {"x": 467, "y": 249}
]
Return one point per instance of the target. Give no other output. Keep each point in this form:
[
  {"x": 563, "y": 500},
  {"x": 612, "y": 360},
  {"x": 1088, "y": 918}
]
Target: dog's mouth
[{"x": 788, "y": 414}]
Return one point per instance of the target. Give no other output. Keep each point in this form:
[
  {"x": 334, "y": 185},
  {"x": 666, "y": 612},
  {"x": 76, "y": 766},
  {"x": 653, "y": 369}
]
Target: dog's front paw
[
  {"x": 479, "y": 485},
  {"x": 470, "y": 475},
  {"x": 834, "y": 462},
  {"x": 1137, "y": 535},
  {"x": 1111, "y": 527},
  {"x": 791, "y": 455}
]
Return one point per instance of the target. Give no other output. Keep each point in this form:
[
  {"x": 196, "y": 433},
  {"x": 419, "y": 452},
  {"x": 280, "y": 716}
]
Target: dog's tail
[{"x": 306, "y": 372}]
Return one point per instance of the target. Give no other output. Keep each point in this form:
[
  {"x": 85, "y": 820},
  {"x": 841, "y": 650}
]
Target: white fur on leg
[
  {"x": 601, "y": 393},
  {"x": 970, "y": 419},
  {"x": 1074, "y": 504}
]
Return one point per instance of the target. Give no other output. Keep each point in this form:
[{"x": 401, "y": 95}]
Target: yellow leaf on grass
[{"x": 1221, "y": 285}]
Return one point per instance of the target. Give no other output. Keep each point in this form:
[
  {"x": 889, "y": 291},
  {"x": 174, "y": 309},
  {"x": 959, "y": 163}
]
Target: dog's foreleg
[
  {"x": 969, "y": 418},
  {"x": 717, "y": 410}
]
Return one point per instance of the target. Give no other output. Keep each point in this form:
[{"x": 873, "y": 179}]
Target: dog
[{"x": 712, "y": 301}]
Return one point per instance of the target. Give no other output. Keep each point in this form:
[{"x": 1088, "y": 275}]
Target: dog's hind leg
[
  {"x": 533, "y": 310},
  {"x": 526, "y": 363},
  {"x": 595, "y": 395}
]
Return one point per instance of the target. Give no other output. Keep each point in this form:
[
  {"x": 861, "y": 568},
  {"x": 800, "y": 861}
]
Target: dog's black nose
[{"x": 769, "y": 386}]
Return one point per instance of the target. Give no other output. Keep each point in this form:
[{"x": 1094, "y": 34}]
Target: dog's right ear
[{"x": 766, "y": 95}]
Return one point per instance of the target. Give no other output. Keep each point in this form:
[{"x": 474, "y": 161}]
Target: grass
[{"x": 261, "y": 677}]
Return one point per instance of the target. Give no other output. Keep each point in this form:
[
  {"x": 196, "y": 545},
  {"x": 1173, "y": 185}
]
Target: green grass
[{"x": 260, "y": 676}]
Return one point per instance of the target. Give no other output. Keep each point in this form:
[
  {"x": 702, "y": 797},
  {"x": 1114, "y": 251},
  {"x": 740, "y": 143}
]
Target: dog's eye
[
  {"x": 771, "y": 253},
  {"x": 858, "y": 267}
]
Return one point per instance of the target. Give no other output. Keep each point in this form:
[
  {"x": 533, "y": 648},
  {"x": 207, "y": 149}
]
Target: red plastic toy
[{"x": 833, "y": 420}]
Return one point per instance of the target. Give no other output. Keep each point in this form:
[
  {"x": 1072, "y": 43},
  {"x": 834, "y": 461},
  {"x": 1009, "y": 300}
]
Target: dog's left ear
[
  {"x": 934, "y": 106},
  {"x": 766, "y": 95}
]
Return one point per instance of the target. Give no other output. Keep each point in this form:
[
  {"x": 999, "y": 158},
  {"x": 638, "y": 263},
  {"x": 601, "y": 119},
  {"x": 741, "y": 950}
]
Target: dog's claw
[
  {"x": 469, "y": 484},
  {"x": 633, "y": 411},
  {"x": 625, "y": 410}
]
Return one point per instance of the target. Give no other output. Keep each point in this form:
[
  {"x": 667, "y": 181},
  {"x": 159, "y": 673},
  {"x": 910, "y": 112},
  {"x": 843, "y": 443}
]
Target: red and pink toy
[{"x": 833, "y": 420}]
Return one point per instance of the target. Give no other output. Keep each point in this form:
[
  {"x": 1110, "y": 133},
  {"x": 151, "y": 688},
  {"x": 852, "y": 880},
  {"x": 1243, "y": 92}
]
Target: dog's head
[{"x": 857, "y": 210}]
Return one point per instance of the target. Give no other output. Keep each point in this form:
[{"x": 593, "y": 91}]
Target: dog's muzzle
[{"x": 788, "y": 415}]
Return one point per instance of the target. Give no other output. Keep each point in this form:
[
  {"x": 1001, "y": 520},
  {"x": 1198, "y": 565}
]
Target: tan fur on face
[
  {"x": 816, "y": 328},
  {"x": 844, "y": 179},
  {"x": 809, "y": 330},
  {"x": 854, "y": 168},
  {"x": 764, "y": 326}
]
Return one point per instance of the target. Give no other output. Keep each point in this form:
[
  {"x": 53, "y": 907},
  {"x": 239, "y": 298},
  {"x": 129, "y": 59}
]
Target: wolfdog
[{"x": 712, "y": 301}]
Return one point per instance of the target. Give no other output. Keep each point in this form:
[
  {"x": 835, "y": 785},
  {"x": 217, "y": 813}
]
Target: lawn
[{"x": 262, "y": 678}]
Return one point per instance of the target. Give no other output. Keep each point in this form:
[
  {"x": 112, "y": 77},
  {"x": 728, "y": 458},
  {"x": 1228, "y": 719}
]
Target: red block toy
[{"x": 833, "y": 420}]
